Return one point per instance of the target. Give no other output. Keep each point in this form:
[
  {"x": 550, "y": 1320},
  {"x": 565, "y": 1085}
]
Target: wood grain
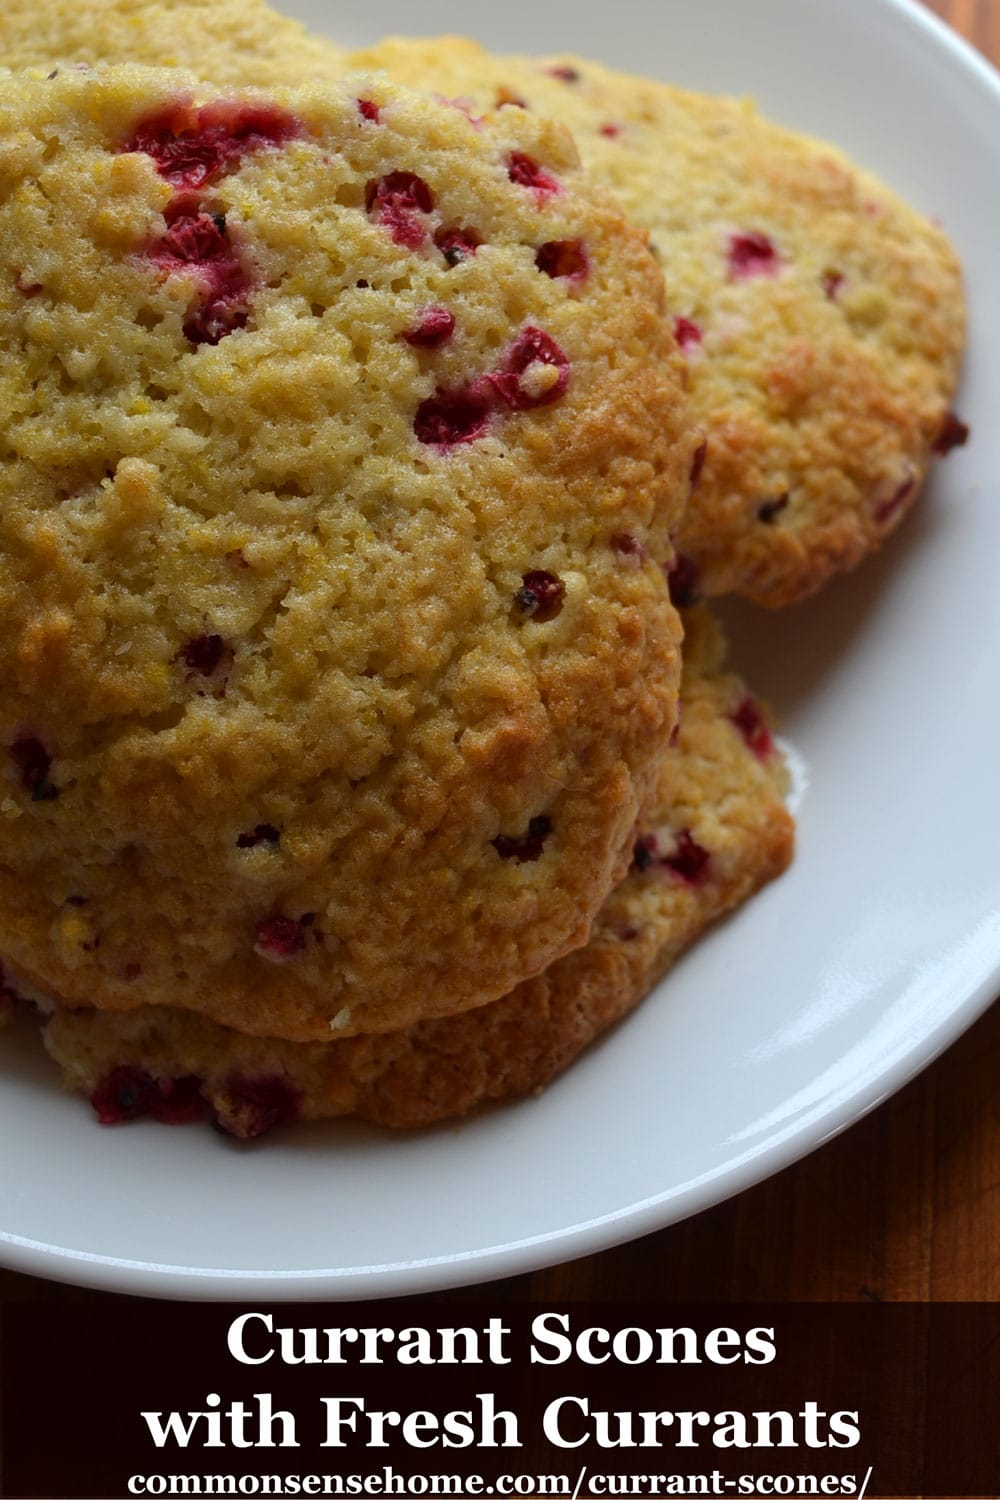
[
  {"x": 906, "y": 1205},
  {"x": 977, "y": 20}
]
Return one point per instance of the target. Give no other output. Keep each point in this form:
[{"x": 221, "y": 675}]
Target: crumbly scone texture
[
  {"x": 242, "y": 42},
  {"x": 822, "y": 318},
  {"x": 337, "y": 656},
  {"x": 717, "y": 830}
]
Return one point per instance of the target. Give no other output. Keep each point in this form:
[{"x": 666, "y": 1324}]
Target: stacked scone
[{"x": 351, "y": 439}]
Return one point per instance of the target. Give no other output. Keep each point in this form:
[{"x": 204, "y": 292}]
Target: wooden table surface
[{"x": 905, "y": 1205}]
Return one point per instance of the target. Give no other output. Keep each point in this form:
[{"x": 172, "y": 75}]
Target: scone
[
  {"x": 823, "y": 319},
  {"x": 226, "y": 41},
  {"x": 716, "y": 832},
  {"x": 337, "y": 655}
]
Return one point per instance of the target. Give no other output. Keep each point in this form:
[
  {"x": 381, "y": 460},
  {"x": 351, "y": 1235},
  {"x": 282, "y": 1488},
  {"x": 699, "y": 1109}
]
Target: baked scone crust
[
  {"x": 337, "y": 662},
  {"x": 719, "y": 791},
  {"x": 823, "y": 319},
  {"x": 225, "y": 41}
]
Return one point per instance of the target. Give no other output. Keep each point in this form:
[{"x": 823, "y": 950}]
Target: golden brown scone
[
  {"x": 717, "y": 831},
  {"x": 822, "y": 318},
  {"x": 336, "y": 660},
  {"x": 226, "y": 41}
]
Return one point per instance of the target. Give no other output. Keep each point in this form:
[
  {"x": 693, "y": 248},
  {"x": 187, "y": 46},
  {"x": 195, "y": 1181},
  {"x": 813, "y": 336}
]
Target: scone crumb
[
  {"x": 539, "y": 379},
  {"x": 74, "y": 935}
]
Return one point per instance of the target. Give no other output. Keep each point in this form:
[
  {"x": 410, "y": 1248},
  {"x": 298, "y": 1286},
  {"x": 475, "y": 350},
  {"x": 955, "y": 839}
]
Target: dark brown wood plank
[{"x": 977, "y": 20}]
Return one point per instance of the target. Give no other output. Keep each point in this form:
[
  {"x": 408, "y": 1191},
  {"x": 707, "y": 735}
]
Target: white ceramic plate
[{"x": 819, "y": 998}]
